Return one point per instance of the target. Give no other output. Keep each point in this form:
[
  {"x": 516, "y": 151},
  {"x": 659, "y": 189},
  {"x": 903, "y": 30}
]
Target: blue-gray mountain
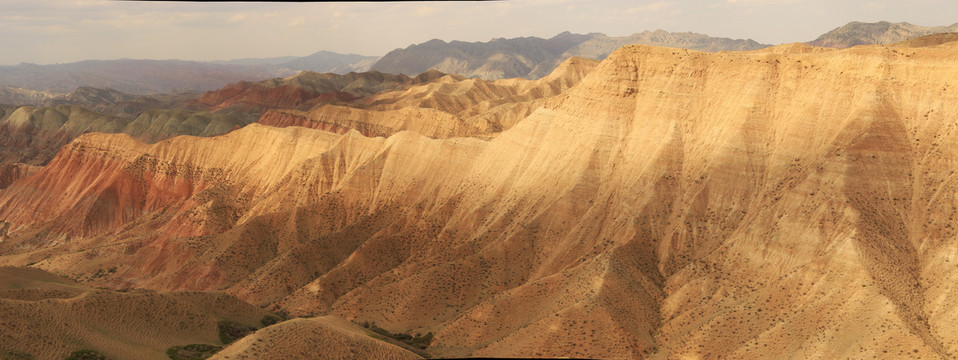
[
  {"x": 533, "y": 57},
  {"x": 882, "y": 32}
]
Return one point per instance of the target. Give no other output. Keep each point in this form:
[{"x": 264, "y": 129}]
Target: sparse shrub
[
  {"x": 231, "y": 331},
  {"x": 86, "y": 354},
  {"x": 418, "y": 341},
  {"x": 15, "y": 355},
  {"x": 421, "y": 342},
  {"x": 192, "y": 351},
  {"x": 271, "y": 320}
]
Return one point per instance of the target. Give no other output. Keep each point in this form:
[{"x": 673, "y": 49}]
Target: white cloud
[
  {"x": 651, "y": 7},
  {"x": 425, "y": 11},
  {"x": 766, "y": 2},
  {"x": 33, "y": 30},
  {"x": 238, "y": 17}
]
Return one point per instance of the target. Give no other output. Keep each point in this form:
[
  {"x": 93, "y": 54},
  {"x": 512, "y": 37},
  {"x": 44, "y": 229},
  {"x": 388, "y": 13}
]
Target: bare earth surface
[
  {"x": 789, "y": 202},
  {"x": 326, "y": 337},
  {"x": 51, "y": 317}
]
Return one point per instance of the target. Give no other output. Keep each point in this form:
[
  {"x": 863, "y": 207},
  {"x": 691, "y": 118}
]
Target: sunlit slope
[
  {"x": 792, "y": 201},
  {"x": 326, "y": 337}
]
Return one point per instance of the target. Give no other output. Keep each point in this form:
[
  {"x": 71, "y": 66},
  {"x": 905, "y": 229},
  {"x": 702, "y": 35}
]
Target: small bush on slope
[
  {"x": 231, "y": 331},
  {"x": 192, "y": 351},
  {"x": 86, "y": 354}
]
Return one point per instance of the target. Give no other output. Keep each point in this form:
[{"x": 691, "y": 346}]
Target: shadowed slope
[
  {"x": 33, "y": 135},
  {"x": 302, "y": 91},
  {"x": 15, "y": 171},
  {"x": 444, "y": 106},
  {"x": 115, "y": 103},
  {"x": 929, "y": 40},
  {"x": 792, "y": 200},
  {"x": 49, "y": 317}
]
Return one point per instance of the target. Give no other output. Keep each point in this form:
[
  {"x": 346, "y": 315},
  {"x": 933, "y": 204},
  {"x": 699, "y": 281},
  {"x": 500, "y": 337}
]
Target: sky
[{"x": 62, "y": 31}]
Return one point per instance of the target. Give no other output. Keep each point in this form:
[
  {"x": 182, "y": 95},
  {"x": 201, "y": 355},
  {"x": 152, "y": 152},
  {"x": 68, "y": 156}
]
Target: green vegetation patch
[
  {"x": 15, "y": 355},
  {"x": 231, "y": 331},
  {"x": 86, "y": 354},
  {"x": 271, "y": 320},
  {"x": 192, "y": 351},
  {"x": 418, "y": 341}
]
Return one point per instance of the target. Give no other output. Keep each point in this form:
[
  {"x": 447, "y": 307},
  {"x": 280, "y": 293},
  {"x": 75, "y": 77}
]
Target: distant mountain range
[
  {"x": 320, "y": 61},
  {"x": 33, "y": 84},
  {"x": 498, "y": 58},
  {"x": 662, "y": 203},
  {"x": 330, "y": 62},
  {"x": 883, "y": 32},
  {"x": 130, "y": 76},
  {"x": 533, "y": 57},
  {"x": 525, "y": 57}
]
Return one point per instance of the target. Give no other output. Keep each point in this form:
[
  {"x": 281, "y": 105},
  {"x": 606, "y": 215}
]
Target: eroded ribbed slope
[
  {"x": 443, "y": 107},
  {"x": 792, "y": 201},
  {"x": 123, "y": 179},
  {"x": 33, "y": 135}
]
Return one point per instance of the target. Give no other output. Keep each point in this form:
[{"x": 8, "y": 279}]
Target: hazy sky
[{"x": 60, "y": 31}]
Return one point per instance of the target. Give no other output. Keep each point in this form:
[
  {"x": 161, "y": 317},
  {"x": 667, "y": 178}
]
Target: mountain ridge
[
  {"x": 533, "y": 57},
  {"x": 138, "y": 77},
  {"x": 882, "y": 32},
  {"x": 671, "y": 203},
  {"x": 475, "y": 59}
]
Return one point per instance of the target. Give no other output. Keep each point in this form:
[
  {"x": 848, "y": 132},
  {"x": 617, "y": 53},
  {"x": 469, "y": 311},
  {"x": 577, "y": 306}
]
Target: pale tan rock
[{"x": 788, "y": 202}]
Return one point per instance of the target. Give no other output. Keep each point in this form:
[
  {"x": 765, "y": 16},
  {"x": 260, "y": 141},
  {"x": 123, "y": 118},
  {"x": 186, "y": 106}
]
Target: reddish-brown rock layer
[
  {"x": 15, "y": 171},
  {"x": 286, "y": 118},
  {"x": 786, "y": 202},
  {"x": 255, "y": 97},
  {"x": 302, "y": 91}
]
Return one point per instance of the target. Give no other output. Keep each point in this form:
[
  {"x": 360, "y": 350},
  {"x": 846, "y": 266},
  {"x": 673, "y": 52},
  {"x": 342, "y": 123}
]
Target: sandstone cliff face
[
  {"x": 792, "y": 200},
  {"x": 442, "y": 106}
]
